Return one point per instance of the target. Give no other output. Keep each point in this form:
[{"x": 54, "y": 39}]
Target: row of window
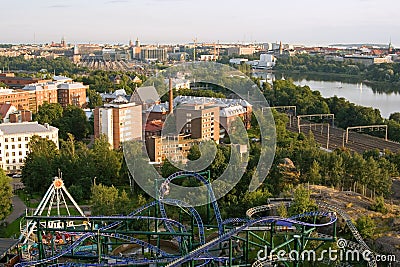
[
  {"x": 13, "y": 154},
  {"x": 13, "y": 146},
  {"x": 19, "y": 139}
]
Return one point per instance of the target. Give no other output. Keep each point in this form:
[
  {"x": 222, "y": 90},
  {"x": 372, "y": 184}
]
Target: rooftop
[
  {"x": 25, "y": 127},
  {"x": 7, "y": 244}
]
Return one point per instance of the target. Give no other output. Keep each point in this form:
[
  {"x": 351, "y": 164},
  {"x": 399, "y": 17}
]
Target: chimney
[{"x": 171, "y": 97}]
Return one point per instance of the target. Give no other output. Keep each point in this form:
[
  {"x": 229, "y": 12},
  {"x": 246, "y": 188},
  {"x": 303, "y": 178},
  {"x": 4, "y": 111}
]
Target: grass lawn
[{"x": 12, "y": 230}]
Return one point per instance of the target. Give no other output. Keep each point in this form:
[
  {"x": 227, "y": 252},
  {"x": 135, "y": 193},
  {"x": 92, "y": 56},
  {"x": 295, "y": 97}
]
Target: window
[
  {"x": 26, "y": 139},
  {"x": 13, "y": 146},
  {"x": 26, "y": 146},
  {"x": 20, "y": 153},
  {"x": 19, "y": 146},
  {"x": 6, "y": 146},
  {"x": 13, "y": 153},
  {"x": 12, "y": 139},
  {"x": 6, "y": 140},
  {"x": 19, "y": 139}
]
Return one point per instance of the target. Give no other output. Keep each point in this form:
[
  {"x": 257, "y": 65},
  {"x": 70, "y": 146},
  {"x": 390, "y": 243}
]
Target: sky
[{"x": 309, "y": 22}]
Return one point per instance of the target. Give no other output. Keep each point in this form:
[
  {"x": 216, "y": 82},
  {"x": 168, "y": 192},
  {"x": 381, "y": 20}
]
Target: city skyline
[{"x": 308, "y": 22}]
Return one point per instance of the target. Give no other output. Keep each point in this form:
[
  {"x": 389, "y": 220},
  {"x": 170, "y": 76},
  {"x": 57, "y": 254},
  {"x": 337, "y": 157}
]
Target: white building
[
  {"x": 237, "y": 61},
  {"x": 267, "y": 61},
  {"x": 14, "y": 140}
]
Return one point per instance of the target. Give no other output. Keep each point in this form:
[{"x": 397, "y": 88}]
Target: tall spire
[{"x": 390, "y": 48}]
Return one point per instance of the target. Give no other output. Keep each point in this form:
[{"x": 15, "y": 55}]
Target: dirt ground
[{"x": 387, "y": 240}]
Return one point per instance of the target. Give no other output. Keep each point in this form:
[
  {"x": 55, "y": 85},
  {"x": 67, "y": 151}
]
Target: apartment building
[
  {"x": 14, "y": 140},
  {"x": 201, "y": 121},
  {"x": 39, "y": 93},
  {"x": 119, "y": 121},
  {"x": 71, "y": 93},
  {"x": 17, "y": 98},
  {"x": 175, "y": 148}
]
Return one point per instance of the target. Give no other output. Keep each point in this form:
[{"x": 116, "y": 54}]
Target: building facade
[
  {"x": 119, "y": 121},
  {"x": 175, "y": 148},
  {"x": 40, "y": 93},
  {"x": 14, "y": 140},
  {"x": 71, "y": 93},
  {"x": 201, "y": 121}
]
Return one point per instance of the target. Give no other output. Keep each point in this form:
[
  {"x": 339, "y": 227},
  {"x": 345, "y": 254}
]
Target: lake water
[{"x": 356, "y": 92}]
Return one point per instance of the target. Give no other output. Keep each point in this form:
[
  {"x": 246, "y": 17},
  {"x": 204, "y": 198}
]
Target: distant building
[
  {"x": 237, "y": 61},
  {"x": 367, "y": 60},
  {"x": 153, "y": 128},
  {"x": 119, "y": 120},
  {"x": 14, "y": 139},
  {"x": 62, "y": 90},
  {"x": 18, "y": 82},
  {"x": 153, "y": 53},
  {"x": 178, "y": 56},
  {"x": 158, "y": 111},
  {"x": 108, "y": 97},
  {"x": 241, "y": 50},
  {"x": 267, "y": 61},
  {"x": 208, "y": 57},
  {"x": 178, "y": 83}
]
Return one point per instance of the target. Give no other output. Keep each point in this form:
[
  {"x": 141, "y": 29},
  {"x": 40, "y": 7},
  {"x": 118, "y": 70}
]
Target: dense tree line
[
  {"x": 71, "y": 120},
  {"x": 109, "y": 81},
  {"x": 59, "y": 65},
  {"x": 385, "y": 72},
  {"x": 78, "y": 163}
]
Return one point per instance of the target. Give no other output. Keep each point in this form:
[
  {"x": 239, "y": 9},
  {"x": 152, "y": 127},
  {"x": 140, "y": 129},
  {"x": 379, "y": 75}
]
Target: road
[{"x": 19, "y": 208}]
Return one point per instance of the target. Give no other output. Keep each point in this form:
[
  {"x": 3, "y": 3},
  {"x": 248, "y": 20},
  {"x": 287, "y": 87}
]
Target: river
[{"x": 355, "y": 92}]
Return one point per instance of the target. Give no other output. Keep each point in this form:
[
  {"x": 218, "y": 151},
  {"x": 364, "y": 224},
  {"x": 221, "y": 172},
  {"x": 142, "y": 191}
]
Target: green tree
[
  {"x": 366, "y": 226},
  {"x": 39, "y": 167},
  {"x": 282, "y": 210},
  {"x": 106, "y": 162},
  {"x": 104, "y": 199},
  {"x": 73, "y": 121},
  {"x": 95, "y": 99},
  {"x": 5, "y": 195},
  {"x": 302, "y": 202},
  {"x": 395, "y": 116},
  {"x": 379, "y": 205},
  {"x": 49, "y": 113}
]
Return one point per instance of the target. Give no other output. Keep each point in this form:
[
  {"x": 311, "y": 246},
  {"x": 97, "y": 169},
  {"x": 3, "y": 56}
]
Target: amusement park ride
[{"x": 168, "y": 232}]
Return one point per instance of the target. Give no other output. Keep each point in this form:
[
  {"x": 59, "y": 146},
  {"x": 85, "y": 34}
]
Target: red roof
[
  {"x": 154, "y": 126},
  {"x": 4, "y": 108}
]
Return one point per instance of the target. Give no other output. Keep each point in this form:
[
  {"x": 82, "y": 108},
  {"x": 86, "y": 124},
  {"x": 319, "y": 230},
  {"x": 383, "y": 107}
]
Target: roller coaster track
[
  {"x": 267, "y": 220},
  {"x": 361, "y": 246},
  {"x": 165, "y": 185},
  {"x": 167, "y": 222}
]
